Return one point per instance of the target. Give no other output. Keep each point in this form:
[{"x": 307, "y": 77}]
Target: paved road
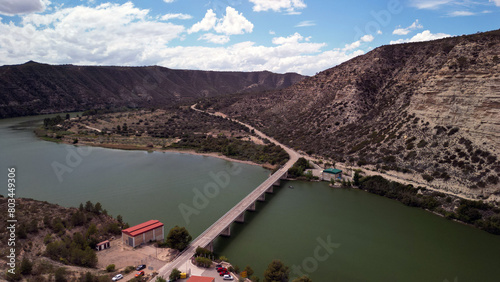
[{"x": 226, "y": 220}]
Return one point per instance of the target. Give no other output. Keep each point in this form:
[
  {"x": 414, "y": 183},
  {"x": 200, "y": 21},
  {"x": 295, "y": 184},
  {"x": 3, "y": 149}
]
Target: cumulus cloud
[
  {"x": 425, "y": 35},
  {"x": 232, "y": 23},
  {"x": 357, "y": 44},
  {"x": 207, "y": 23},
  {"x": 18, "y": 7},
  {"x": 404, "y": 31},
  {"x": 290, "y": 6},
  {"x": 367, "y": 38},
  {"x": 114, "y": 34},
  {"x": 106, "y": 34},
  {"x": 179, "y": 16},
  {"x": 496, "y": 2},
  {"x": 215, "y": 38}
]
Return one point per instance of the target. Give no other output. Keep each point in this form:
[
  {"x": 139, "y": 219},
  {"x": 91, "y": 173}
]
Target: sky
[{"x": 303, "y": 36}]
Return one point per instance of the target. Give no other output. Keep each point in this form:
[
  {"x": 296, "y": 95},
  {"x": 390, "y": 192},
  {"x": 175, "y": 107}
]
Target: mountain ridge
[
  {"x": 430, "y": 110},
  {"x": 35, "y": 88}
]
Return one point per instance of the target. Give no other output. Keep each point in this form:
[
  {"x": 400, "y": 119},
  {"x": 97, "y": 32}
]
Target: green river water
[{"x": 329, "y": 234}]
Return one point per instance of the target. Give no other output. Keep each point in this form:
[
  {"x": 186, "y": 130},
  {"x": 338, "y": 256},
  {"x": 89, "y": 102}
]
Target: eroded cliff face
[
  {"x": 429, "y": 110},
  {"x": 34, "y": 88}
]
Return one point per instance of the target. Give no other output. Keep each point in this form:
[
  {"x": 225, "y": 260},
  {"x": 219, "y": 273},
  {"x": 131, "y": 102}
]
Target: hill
[
  {"x": 428, "y": 111},
  {"x": 50, "y": 239},
  {"x": 34, "y": 88}
]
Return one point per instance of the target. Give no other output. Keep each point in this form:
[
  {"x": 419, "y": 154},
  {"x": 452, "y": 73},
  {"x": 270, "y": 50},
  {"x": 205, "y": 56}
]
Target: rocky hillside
[
  {"x": 430, "y": 110},
  {"x": 34, "y": 88}
]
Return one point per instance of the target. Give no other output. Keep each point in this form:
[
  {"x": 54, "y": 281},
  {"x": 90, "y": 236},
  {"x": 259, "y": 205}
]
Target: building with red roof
[
  {"x": 148, "y": 231},
  {"x": 200, "y": 279}
]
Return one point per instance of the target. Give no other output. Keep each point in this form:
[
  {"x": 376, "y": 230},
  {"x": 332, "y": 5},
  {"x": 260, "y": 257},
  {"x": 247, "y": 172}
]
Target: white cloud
[
  {"x": 461, "y": 14},
  {"x": 352, "y": 46},
  {"x": 429, "y": 4},
  {"x": 306, "y": 23},
  {"x": 379, "y": 32},
  {"x": 404, "y": 31},
  {"x": 207, "y": 23},
  {"x": 19, "y": 7},
  {"x": 114, "y": 34},
  {"x": 295, "y": 38},
  {"x": 496, "y": 2},
  {"x": 290, "y": 6},
  {"x": 179, "y": 16},
  {"x": 272, "y": 32},
  {"x": 367, "y": 38},
  {"x": 106, "y": 34},
  {"x": 232, "y": 23},
  {"x": 215, "y": 38},
  {"x": 168, "y": 1},
  {"x": 425, "y": 35}
]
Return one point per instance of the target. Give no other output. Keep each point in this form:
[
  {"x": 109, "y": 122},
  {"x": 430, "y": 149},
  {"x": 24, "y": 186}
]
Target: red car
[
  {"x": 222, "y": 273},
  {"x": 219, "y": 269},
  {"x": 139, "y": 274}
]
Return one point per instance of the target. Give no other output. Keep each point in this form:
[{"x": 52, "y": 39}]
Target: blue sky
[{"x": 304, "y": 36}]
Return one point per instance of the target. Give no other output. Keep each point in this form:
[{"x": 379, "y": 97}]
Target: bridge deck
[{"x": 209, "y": 235}]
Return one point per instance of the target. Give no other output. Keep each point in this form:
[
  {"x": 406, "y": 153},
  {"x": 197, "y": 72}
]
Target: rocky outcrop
[{"x": 430, "y": 110}]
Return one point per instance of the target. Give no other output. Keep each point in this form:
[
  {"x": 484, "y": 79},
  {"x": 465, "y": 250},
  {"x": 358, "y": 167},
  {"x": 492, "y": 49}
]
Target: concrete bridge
[{"x": 222, "y": 227}]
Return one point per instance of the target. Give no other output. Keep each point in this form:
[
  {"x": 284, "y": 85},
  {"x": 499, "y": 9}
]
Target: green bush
[
  {"x": 110, "y": 268},
  {"x": 203, "y": 262}
]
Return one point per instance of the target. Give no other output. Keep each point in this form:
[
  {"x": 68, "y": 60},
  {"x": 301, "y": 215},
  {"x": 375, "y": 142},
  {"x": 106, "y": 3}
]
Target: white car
[
  {"x": 117, "y": 277},
  {"x": 228, "y": 277}
]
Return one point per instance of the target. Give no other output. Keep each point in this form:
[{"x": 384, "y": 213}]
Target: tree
[
  {"x": 98, "y": 208},
  {"x": 303, "y": 279},
  {"x": 276, "y": 271},
  {"x": 249, "y": 270},
  {"x": 178, "y": 238},
  {"x": 356, "y": 178},
  {"x": 89, "y": 206},
  {"x": 174, "y": 275},
  {"x": 119, "y": 218},
  {"x": 110, "y": 268},
  {"x": 160, "y": 279},
  {"x": 67, "y": 116},
  {"x": 26, "y": 266}
]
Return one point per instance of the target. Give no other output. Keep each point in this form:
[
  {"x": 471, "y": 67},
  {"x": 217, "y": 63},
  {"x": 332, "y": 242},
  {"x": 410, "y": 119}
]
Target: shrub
[
  {"x": 427, "y": 177},
  {"x": 203, "y": 262},
  {"x": 110, "y": 268}
]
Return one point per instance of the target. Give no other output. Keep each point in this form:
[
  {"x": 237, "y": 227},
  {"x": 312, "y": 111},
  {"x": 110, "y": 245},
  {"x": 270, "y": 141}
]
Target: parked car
[
  {"x": 139, "y": 274},
  {"x": 218, "y": 266},
  {"x": 117, "y": 277},
  {"x": 222, "y": 273},
  {"x": 140, "y": 267},
  {"x": 228, "y": 277}
]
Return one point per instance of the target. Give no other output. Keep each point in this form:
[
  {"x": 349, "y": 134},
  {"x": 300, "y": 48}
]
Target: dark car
[{"x": 142, "y": 266}]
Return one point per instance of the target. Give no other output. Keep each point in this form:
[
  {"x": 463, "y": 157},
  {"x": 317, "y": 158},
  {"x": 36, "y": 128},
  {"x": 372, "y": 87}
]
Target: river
[{"x": 329, "y": 234}]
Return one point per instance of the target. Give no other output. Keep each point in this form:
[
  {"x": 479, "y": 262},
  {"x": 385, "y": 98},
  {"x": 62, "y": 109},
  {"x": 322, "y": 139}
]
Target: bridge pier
[
  {"x": 226, "y": 232},
  {"x": 270, "y": 190},
  {"x": 210, "y": 246},
  {"x": 241, "y": 218},
  {"x": 252, "y": 207},
  {"x": 277, "y": 183},
  {"x": 262, "y": 198}
]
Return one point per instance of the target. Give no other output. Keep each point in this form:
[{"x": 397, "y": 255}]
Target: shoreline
[{"x": 170, "y": 150}]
